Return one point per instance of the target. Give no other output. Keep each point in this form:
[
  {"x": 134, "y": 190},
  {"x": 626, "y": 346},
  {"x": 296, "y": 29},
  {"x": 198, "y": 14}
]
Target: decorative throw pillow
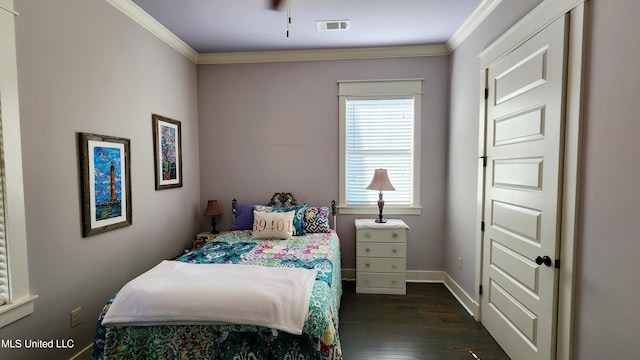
[
  {"x": 244, "y": 217},
  {"x": 316, "y": 220},
  {"x": 298, "y": 219},
  {"x": 272, "y": 225},
  {"x": 261, "y": 207}
]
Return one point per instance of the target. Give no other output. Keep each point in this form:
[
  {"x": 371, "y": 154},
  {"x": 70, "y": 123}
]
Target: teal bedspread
[{"x": 319, "y": 341}]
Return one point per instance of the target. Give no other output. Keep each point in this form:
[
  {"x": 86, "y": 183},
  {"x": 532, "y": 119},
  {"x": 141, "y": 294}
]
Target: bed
[{"x": 310, "y": 245}]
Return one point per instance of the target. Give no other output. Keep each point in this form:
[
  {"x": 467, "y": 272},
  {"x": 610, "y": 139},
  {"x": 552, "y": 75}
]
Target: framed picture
[
  {"x": 167, "y": 152},
  {"x": 105, "y": 168}
]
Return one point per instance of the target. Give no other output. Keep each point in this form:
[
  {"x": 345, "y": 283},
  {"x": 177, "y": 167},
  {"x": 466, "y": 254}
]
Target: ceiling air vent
[{"x": 332, "y": 25}]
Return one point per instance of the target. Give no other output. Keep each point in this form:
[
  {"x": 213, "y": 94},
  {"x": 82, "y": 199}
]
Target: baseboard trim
[
  {"x": 84, "y": 354},
  {"x": 437, "y": 277},
  {"x": 469, "y": 303},
  {"x": 420, "y": 276}
]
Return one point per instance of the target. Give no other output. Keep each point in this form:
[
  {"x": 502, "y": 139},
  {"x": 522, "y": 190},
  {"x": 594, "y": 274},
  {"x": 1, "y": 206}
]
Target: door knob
[{"x": 543, "y": 260}]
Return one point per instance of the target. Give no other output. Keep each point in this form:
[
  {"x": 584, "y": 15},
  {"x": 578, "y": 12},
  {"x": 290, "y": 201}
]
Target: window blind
[{"x": 379, "y": 134}]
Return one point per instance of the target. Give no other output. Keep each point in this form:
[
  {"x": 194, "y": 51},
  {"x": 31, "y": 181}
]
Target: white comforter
[{"x": 177, "y": 293}]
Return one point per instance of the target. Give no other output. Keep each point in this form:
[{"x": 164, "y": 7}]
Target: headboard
[{"x": 284, "y": 199}]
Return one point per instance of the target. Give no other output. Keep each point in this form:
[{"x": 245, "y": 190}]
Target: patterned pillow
[
  {"x": 298, "y": 219},
  {"x": 316, "y": 220},
  {"x": 244, "y": 217},
  {"x": 272, "y": 225},
  {"x": 261, "y": 207}
]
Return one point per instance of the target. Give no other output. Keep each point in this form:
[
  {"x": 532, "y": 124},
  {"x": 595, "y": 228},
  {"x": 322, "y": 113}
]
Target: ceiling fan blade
[{"x": 275, "y": 4}]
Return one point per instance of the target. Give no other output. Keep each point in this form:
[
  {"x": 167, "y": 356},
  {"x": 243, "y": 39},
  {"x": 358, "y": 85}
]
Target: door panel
[
  {"x": 524, "y": 173},
  {"x": 519, "y": 127},
  {"x": 524, "y": 76},
  {"x": 525, "y": 125},
  {"x": 524, "y": 272},
  {"x": 517, "y": 220}
]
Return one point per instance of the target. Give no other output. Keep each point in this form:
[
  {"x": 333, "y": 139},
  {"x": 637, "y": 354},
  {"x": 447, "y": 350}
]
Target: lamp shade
[
  {"x": 380, "y": 181},
  {"x": 213, "y": 209}
]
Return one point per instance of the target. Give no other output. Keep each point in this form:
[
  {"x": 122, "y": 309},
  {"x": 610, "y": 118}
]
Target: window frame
[
  {"x": 20, "y": 302},
  {"x": 382, "y": 89}
]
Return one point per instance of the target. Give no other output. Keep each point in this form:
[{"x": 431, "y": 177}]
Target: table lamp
[
  {"x": 380, "y": 182},
  {"x": 213, "y": 210}
]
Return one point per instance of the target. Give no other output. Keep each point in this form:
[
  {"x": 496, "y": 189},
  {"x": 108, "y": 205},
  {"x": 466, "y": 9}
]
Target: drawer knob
[
  {"x": 394, "y": 235},
  {"x": 394, "y": 251},
  {"x": 393, "y": 281},
  {"x": 367, "y": 265},
  {"x": 394, "y": 266},
  {"x": 367, "y": 235},
  {"x": 367, "y": 250}
]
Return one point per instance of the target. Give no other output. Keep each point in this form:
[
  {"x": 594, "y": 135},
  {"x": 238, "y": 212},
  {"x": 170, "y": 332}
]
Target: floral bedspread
[{"x": 319, "y": 340}]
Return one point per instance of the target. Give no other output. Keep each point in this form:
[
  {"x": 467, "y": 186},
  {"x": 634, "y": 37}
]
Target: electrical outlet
[
  {"x": 76, "y": 316},
  {"x": 459, "y": 263}
]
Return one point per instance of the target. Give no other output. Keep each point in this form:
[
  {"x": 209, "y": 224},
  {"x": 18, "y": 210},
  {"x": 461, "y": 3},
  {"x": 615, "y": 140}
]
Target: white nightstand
[{"x": 381, "y": 250}]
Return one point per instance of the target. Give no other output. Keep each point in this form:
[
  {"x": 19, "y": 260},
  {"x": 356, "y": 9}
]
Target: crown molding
[
  {"x": 323, "y": 54},
  {"x": 473, "y": 21},
  {"x": 137, "y": 14},
  {"x": 8, "y": 9},
  {"x": 145, "y": 20},
  {"x": 542, "y": 15}
]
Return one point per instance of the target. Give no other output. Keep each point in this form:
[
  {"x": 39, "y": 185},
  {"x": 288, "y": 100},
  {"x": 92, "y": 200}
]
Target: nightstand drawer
[
  {"x": 386, "y": 265},
  {"x": 382, "y": 249},
  {"x": 374, "y": 280},
  {"x": 381, "y": 235}
]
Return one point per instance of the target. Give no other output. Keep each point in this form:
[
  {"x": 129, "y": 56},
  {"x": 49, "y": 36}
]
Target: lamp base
[
  {"x": 380, "y": 207},
  {"x": 213, "y": 226}
]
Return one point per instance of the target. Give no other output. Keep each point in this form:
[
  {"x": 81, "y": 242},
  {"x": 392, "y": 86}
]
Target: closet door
[{"x": 524, "y": 149}]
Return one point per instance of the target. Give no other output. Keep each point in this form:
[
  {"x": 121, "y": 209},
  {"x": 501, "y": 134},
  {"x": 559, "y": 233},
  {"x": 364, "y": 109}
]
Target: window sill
[
  {"x": 373, "y": 210},
  {"x": 16, "y": 310}
]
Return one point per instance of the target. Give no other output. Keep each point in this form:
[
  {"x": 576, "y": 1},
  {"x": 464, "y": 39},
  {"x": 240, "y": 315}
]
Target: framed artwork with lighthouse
[{"x": 105, "y": 167}]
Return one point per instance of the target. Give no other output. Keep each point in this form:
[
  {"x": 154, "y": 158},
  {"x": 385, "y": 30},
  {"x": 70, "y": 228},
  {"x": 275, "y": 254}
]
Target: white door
[{"x": 524, "y": 149}]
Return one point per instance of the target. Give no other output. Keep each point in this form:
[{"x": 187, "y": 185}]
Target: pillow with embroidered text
[
  {"x": 298, "y": 218},
  {"x": 272, "y": 225}
]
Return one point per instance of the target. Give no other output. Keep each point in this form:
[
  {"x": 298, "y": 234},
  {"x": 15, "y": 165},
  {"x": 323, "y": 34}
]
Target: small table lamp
[
  {"x": 380, "y": 182},
  {"x": 213, "y": 210}
]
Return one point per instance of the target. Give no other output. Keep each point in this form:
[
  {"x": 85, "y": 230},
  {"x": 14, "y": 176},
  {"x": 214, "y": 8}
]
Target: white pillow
[{"x": 272, "y": 225}]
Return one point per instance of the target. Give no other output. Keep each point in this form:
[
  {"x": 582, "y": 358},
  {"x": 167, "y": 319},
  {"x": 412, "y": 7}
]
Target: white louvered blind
[
  {"x": 4, "y": 273},
  {"x": 379, "y": 134}
]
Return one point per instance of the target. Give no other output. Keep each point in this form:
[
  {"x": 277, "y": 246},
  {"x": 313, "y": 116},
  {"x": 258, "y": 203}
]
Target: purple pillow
[{"x": 244, "y": 217}]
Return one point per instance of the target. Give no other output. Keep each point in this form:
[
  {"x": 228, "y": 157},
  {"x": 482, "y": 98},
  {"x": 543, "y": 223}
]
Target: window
[
  {"x": 14, "y": 270},
  {"x": 380, "y": 128}
]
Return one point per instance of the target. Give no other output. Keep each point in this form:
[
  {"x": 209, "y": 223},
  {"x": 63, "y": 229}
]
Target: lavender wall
[
  {"x": 607, "y": 311},
  {"x": 462, "y": 162},
  {"x": 274, "y": 127},
  {"x": 83, "y": 66},
  {"x": 607, "y": 307}
]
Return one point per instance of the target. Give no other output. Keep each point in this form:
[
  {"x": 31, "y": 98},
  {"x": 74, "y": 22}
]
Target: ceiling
[{"x": 221, "y": 26}]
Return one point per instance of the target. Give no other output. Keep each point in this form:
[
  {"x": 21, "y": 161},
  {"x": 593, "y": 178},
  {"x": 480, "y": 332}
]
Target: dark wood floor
[{"x": 427, "y": 323}]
